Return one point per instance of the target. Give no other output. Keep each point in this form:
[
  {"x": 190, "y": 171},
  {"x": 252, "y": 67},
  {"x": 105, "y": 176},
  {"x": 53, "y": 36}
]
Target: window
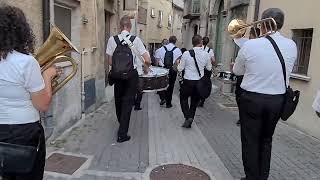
[
  {"x": 169, "y": 21},
  {"x": 160, "y": 18},
  {"x": 130, "y": 5},
  {"x": 196, "y": 4},
  {"x": 303, "y": 39},
  {"x": 153, "y": 15}
]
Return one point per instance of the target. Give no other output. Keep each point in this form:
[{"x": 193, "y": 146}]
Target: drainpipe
[
  {"x": 256, "y": 10},
  {"x": 208, "y": 14},
  {"x": 46, "y": 18}
]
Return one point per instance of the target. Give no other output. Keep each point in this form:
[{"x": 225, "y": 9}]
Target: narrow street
[{"x": 212, "y": 145}]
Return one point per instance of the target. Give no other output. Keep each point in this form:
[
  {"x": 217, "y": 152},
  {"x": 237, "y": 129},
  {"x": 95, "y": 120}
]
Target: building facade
[{"x": 304, "y": 29}]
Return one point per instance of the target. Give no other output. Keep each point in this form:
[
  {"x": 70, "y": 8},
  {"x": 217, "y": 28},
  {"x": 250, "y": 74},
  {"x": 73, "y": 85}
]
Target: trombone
[
  {"x": 238, "y": 28},
  {"x": 52, "y": 52}
]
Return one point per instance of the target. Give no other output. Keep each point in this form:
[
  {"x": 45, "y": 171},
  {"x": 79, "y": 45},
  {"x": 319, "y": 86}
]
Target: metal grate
[
  {"x": 303, "y": 39},
  {"x": 178, "y": 171},
  {"x": 64, "y": 164}
]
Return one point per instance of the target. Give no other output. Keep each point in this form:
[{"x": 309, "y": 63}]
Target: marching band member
[
  {"x": 263, "y": 94},
  {"x": 167, "y": 57},
  {"x": 191, "y": 78},
  {"x": 24, "y": 90},
  {"x": 207, "y": 49},
  {"x": 125, "y": 84}
]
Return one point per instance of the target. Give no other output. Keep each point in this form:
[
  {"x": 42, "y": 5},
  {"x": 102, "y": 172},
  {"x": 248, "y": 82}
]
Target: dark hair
[
  {"x": 164, "y": 41},
  {"x": 183, "y": 50},
  {"x": 125, "y": 22},
  {"x": 275, "y": 13},
  {"x": 196, "y": 40},
  {"x": 15, "y": 32},
  {"x": 173, "y": 39},
  {"x": 205, "y": 40}
]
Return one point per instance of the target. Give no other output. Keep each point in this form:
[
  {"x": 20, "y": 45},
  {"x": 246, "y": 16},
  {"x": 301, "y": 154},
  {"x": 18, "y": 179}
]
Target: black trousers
[
  {"x": 124, "y": 94},
  {"x": 139, "y": 93},
  {"x": 259, "y": 115},
  {"x": 189, "y": 90},
  {"x": 167, "y": 95},
  {"x": 28, "y": 135},
  {"x": 238, "y": 91}
]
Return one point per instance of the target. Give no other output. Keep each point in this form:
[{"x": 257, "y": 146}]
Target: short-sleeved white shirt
[
  {"x": 137, "y": 43},
  {"x": 20, "y": 75},
  {"x": 316, "y": 103},
  {"x": 211, "y": 53},
  {"x": 160, "y": 53},
  {"x": 188, "y": 65}
]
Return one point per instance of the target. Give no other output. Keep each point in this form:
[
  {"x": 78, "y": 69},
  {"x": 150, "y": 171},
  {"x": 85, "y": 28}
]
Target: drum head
[{"x": 156, "y": 72}]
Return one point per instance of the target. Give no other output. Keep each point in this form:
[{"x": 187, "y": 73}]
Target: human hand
[{"x": 53, "y": 71}]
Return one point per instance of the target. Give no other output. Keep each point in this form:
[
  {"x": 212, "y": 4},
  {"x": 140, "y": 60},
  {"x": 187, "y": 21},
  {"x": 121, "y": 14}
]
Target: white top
[
  {"x": 138, "y": 44},
  {"x": 240, "y": 41},
  {"x": 20, "y": 75},
  {"x": 187, "y": 64},
  {"x": 206, "y": 49},
  {"x": 316, "y": 103},
  {"x": 160, "y": 53},
  {"x": 259, "y": 63}
]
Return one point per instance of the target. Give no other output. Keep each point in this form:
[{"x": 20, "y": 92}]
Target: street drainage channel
[{"x": 178, "y": 172}]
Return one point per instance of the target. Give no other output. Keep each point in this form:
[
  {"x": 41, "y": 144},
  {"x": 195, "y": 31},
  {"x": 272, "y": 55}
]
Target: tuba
[
  {"x": 238, "y": 28},
  {"x": 52, "y": 52}
]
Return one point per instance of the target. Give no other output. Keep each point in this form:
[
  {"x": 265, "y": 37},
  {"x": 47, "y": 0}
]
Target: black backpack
[
  {"x": 122, "y": 60},
  {"x": 168, "y": 58}
]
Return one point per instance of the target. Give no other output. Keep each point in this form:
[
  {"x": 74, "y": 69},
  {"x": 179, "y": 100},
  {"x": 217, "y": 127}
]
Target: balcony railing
[{"x": 194, "y": 10}]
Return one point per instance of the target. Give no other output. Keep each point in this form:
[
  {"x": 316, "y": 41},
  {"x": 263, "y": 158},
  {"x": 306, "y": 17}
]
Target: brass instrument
[
  {"x": 52, "y": 51},
  {"x": 238, "y": 28}
]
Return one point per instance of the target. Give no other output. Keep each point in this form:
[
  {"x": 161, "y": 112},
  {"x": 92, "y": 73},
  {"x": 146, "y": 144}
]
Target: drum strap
[{"x": 192, "y": 54}]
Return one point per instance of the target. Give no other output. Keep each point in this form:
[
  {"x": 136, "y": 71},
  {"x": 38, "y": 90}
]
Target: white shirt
[
  {"x": 316, "y": 103},
  {"x": 160, "y": 53},
  {"x": 138, "y": 44},
  {"x": 187, "y": 63},
  {"x": 206, "y": 49},
  {"x": 240, "y": 41},
  {"x": 259, "y": 63},
  {"x": 20, "y": 75}
]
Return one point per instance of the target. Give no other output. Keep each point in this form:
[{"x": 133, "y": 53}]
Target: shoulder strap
[
  {"x": 192, "y": 54},
  {"x": 132, "y": 38},
  {"x": 165, "y": 48},
  {"x": 117, "y": 40},
  {"x": 209, "y": 50},
  {"x": 173, "y": 49},
  {"x": 275, "y": 46}
]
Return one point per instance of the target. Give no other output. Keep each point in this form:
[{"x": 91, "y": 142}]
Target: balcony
[{"x": 193, "y": 10}]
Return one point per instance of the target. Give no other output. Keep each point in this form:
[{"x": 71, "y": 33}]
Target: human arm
[
  {"x": 39, "y": 86},
  {"x": 182, "y": 62},
  {"x": 316, "y": 104},
  {"x": 239, "y": 65}
]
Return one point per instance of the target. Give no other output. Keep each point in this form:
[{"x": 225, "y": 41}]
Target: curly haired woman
[{"x": 24, "y": 90}]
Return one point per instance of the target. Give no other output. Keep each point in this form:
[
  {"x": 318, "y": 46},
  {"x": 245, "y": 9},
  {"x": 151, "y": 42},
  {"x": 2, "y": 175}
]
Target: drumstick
[{"x": 146, "y": 68}]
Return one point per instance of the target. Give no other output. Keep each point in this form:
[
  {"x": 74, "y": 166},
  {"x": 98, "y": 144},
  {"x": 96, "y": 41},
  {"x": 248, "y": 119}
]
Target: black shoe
[
  {"x": 137, "y": 108},
  {"x": 201, "y": 104},
  {"x": 162, "y": 102},
  {"x": 238, "y": 123},
  {"x": 243, "y": 178},
  {"x": 169, "y": 106},
  {"x": 123, "y": 139},
  {"x": 187, "y": 123}
]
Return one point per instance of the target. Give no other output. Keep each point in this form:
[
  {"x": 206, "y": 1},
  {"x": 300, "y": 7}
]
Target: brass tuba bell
[
  {"x": 52, "y": 51},
  {"x": 237, "y": 28}
]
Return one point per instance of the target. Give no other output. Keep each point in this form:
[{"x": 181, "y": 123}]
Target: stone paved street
[{"x": 212, "y": 145}]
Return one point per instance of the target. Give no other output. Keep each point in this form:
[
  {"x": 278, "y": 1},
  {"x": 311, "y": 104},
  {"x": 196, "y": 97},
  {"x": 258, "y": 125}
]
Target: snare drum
[{"x": 156, "y": 80}]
